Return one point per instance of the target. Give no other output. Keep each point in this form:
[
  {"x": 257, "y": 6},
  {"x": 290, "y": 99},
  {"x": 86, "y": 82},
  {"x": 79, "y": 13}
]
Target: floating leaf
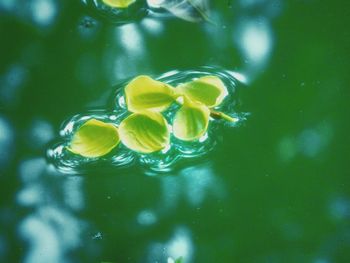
[
  {"x": 119, "y": 3},
  {"x": 145, "y": 93},
  {"x": 145, "y": 132},
  {"x": 94, "y": 139},
  {"x": 191, "y": 121},
  {"x": 189, "y": 10},
  {"x": 209, "y": 90}
]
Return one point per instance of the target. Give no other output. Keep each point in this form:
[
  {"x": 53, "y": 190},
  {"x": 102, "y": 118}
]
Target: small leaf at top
[
  {"x": 145, "y": 132},
  {"x": 191, "y": 121},
  {"x": 94, "y": 139},
  {"x": 209, "y": 90},
  {"x": 189, "y": 10},
  {"x": 119, "y": 3},
  {"x": 144, "y": 93}
]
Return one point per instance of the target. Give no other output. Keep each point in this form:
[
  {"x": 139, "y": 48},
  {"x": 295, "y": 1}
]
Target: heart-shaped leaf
[
  {"x": 191, "y": 121},
  {"x": 208, "y": 90},
  {"x": 119, "y": 3},
  {"x": 144, "y": 93},
  {"x": 145, "y": 132},
  {"x": 94, "y": 139}
]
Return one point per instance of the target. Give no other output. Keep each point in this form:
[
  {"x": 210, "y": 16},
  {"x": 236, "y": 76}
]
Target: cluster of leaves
[{"x": 146, "y": 130}]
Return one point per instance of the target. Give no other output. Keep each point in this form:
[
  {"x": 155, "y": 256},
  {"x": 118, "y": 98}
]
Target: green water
[{"x": 275, "y": 189}]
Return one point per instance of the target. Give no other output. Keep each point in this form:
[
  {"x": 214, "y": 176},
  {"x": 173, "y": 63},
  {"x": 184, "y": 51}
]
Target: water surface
[{"x": 275, "y": 190}]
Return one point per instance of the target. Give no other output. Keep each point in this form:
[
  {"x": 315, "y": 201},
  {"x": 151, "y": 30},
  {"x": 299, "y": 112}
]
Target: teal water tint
[
  {"x": 163, "y": 161},
  {"x": 273, "y": 190}
]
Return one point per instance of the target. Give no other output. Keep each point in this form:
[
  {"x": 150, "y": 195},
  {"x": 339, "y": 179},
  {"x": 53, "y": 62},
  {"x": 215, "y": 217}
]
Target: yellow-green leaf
[
  {"x": 209, "y": 90},
  {"x": 119, "y": 3},
  {"x": 94, "y": 139},
  {"x": 191, "y": 121},
  {"x": 145, "y": 132},
  {"x": 144, "y": 93}
]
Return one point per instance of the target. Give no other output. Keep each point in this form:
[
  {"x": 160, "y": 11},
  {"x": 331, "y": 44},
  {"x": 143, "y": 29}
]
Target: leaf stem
[
  {"x": 221, "y": 115},
  {"x": 214, "y": 114}
]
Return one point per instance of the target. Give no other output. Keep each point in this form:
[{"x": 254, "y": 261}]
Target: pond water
[{"x": 275, "y": 188}]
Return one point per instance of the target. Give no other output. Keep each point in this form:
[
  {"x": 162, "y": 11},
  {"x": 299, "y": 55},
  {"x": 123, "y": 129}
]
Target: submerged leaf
[
  {"x": 119, "y": 3},
  {"x": 145, "y": 93},
  {"x": 189, "y": 10},
  {"x": 208, "y": 90},
  {"x": 191, "y": 121},
  {"x": 145, "y": 132},
  {"x": 94, "y": 139}
]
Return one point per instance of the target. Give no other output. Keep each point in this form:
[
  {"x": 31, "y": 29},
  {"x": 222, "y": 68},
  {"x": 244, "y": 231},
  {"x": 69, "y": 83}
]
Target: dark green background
[{"x": 276, "y": 189}]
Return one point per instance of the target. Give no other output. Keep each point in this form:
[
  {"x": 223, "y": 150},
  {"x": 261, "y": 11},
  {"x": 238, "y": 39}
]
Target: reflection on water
[
  {"x": 11, "y": 84},
  {"x": 6, "y": 142},
  {"x": 130, "y": 39},
  {"x": 146, "y": 217},
  {"x": 254, "y": 39},
  {"x": 134, "y": 56},
  {"x": 51, "y": 229},
  {"x": 195, "y": 183},
  {"x": 339, "y": 208},
  {"x": 310, "y": 142},
  {"x": 178, "y": 214},
  {"x": 179, "y": 245},
  {"x": 165, "y": 160},
  {"x": 153, "y": 26},
  {"x": 41, "y": 13},
  {"x": 336, "y": 247},
  {"x": 40, "y": 133},
  {"x": 3, "y": 248},
  {"x": 88, "y": 28},
  {"x": 253, "y": 34}
]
